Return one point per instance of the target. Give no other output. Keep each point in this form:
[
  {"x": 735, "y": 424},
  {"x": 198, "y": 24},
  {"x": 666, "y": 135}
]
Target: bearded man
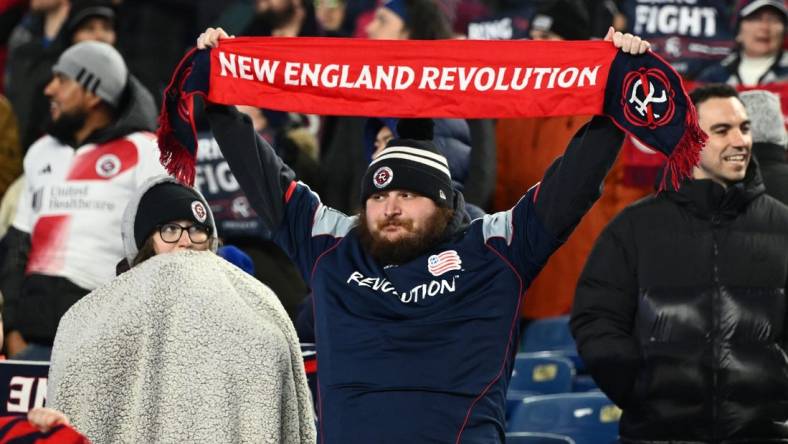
[
  {"x": 65, "y": 239},
  {"x": 416, "y": 307}
]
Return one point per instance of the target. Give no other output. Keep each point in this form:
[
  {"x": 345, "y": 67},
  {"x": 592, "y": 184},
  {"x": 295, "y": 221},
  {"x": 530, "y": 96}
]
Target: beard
[
  {"x": 407, "y": 247},
  {"x": 66, "y": 126}
]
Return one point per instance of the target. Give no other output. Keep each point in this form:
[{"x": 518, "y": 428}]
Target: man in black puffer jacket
[{"x": 680, "y": 311}]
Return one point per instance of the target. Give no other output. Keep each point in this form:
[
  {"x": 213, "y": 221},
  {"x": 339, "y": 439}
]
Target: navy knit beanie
[{"x": 411, "y": 162}]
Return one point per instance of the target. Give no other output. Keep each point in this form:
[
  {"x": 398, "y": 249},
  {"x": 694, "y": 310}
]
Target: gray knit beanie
[
  {"x": 766, "y": 117},
  {"x": 98, "y": 67}
]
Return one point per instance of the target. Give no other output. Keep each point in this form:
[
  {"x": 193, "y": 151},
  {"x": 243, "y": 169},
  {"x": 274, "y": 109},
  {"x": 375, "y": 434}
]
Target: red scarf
[{"x": 443, "y": 78}]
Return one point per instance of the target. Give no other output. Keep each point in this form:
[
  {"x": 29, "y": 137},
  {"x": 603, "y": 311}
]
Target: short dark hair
[
  {"x": 426, "y": 21},
  {"x": 712, "y": 91}
]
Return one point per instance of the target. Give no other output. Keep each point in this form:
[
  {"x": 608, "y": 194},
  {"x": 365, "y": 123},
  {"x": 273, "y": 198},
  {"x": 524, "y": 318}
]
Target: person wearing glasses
[
  {"x": 181, "y": 347},
  {"x": 167, "y": 217}
]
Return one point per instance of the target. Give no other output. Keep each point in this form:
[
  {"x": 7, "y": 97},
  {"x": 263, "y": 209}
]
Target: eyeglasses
[{"x": 171, "y": 233}]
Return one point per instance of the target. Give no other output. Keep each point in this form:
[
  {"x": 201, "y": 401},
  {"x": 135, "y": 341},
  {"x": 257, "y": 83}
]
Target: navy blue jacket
[
  {"x": 420, "y": 352},
  {"x": 727, "y": 71}
]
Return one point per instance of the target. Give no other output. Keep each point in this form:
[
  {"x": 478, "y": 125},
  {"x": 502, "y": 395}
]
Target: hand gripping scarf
[{"x": 442, "y": 78}]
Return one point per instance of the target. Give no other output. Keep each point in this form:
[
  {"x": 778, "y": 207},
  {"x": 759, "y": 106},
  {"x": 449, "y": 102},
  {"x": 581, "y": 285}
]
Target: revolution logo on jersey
[{"x": 108, "y": 165}]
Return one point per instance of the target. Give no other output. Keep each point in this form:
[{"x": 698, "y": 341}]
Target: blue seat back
[
  {"x": 588, "y": 418},
  {"x": 584, "y": 383},
  {"x": 541, "y": 373},
  {"x": 537, "y": 374},
  {"x": 548, "y": 334}
]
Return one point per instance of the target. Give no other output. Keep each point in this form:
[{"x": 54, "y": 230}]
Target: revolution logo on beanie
[
  {"x": 410, "y": 162},
  {"x": 168, "y": 202}
]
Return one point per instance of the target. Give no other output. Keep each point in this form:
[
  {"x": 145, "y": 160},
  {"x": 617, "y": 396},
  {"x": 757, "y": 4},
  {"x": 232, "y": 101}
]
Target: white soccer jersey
[{"x": 74, "y": 200}]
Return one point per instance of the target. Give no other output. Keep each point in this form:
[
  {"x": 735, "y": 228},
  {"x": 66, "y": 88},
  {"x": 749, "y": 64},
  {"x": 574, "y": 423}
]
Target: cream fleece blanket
[{"x": 184, "y": 347}]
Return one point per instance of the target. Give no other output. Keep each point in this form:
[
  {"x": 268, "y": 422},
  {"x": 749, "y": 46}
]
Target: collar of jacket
[
  {"x": 460, "y": 219},
  {"x": 706, "y": 198}
]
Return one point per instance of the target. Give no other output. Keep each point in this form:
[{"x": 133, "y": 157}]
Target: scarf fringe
[
  {"x": 686, "y": 154},
  {"x": 174, "y": 156}
]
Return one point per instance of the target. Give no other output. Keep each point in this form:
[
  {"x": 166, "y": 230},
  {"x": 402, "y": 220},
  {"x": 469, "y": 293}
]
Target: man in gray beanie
[
  {"x": 65, "y": 239},
  {"x": 769, "y": 140}
]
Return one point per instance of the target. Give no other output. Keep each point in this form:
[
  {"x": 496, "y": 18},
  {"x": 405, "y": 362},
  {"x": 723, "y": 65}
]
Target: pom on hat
[{"x": 418, "y": 129}]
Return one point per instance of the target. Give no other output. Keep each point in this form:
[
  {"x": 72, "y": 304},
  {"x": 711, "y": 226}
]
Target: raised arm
[
  {"x": 262, "y": 175},
  {"x": 574, "y": 181}
]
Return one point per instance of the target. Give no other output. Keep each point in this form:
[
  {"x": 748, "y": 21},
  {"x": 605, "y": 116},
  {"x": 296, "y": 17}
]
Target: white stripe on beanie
[{"x": 423, "y": 157}]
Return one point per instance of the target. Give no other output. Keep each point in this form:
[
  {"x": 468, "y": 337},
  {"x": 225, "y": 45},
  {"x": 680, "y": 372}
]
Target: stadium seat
[
  {"x": 537, "y": 438},
  {"x": 583, "y": 383},
  {"x": 587, "y": 418},
  {"x": 538, "y": 374},
  {"x": 551, "y": 334},
  {"x": 548, "y": 334},
  {"x": 541, "y": 373}
]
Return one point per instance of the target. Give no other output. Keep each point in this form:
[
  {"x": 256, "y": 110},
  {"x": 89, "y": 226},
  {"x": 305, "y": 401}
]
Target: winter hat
[
  {"x": 371, "y": 129},
  {"x": 98, "y": 67},
  {"x": 567, "y": 18},
  {"x": 398, "y": 7},
  {"x": 167, "y": 202},
  {"x": 411, "y": 163},
  {"x": 766, "y": 118},
  {"x": 86, "y": 9},
  {"x": 142, "y": 212},
  {"x": 749, "y": 7}
]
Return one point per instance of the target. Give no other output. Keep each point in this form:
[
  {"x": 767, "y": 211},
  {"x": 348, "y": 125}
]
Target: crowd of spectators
[{"x": 738, "y": 42}]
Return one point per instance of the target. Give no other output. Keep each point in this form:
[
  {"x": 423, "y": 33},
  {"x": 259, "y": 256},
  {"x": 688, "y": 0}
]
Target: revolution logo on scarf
[{"x": 442, "y": 78}]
